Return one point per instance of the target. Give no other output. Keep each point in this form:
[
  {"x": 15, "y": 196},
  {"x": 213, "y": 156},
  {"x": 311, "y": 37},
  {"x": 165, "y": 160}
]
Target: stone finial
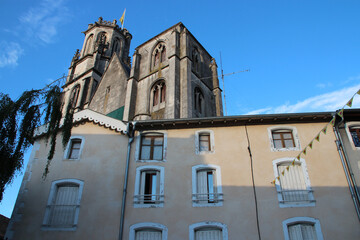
[
  {"x": 114, "y": 22},
  {"x": 100, "y": 20}
]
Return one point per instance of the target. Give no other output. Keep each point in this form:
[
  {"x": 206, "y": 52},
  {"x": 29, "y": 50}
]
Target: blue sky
[{"x": 303, "y": 56}]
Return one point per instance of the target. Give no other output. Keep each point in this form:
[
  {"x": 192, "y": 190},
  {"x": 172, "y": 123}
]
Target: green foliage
[{"x": 18, "y": 122}]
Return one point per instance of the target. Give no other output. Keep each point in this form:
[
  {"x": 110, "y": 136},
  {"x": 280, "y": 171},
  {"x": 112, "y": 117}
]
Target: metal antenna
[{"x": 223, "y": 82}]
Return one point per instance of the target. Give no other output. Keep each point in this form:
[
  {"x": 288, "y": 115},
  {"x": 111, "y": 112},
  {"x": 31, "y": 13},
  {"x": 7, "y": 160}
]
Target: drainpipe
[
  {"x": 347, "y": 168},
  {"x": 130, "y": 133}
]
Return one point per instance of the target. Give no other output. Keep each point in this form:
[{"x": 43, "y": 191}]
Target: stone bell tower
[{"x": 105, "y": 44}]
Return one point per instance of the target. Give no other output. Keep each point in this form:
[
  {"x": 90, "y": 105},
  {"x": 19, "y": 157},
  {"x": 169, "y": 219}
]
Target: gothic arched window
[
  {"x": 74, "y": 96},
  {"x": 116, "y": 46},
  {"x": 159, "y": 55},
  {"x": 195, "y": 60},
  {"x": 199, "y": 103},
  {"x": 158, "y": 93},
  {"x": 88, "y": 45}
]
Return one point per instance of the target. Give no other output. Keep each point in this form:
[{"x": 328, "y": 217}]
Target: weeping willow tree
[{"x": 18, "y": 122}]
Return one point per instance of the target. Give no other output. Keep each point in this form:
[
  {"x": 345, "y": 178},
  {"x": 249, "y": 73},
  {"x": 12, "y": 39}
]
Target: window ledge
[
  {"x": 204, "y": 152},
  {"x": 218, "y": 204},
  {"x": 297, "y": 204},
  {"x": 50, "y": 228},
  {"x": 141, "y": 205},
  {"x": 150, "y": 161},
  {"x": 284, "y": 149}
]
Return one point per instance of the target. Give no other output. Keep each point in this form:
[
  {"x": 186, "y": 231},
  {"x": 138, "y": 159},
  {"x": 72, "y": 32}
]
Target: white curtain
[
  {"x": 148, "y": 235},
  {"x": 64, "y": 207},
  {"x": 293, "y": 183},
  {"x": 208, "y": 234}
]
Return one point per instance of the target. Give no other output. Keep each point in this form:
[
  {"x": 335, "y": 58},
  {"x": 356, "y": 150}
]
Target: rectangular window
[
  {"x": 283, "y": 139},
  {"x": 74, "y": 152},
  {"x": 204, "y": 142},
  {"x": 151, "y": 147},
  {"x": 293, "y": 185},
  {"x": 63, "y": 207},
  {"x": 302, "y": 231},
  {"x": 206, "y": 186},
  {"x": 148, "y": 234},
  {"x": 150, "y": 184},
  {"x": 208, "y": 233},
  {"x": 355, "y": 134}
]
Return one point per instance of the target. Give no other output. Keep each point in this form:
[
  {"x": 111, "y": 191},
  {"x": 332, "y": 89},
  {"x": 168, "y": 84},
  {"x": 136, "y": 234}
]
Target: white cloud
[
  {"x": 325, "y": 102},
  {"x": 42, "y": 21},
  {"x": 323, "y": 85},
  {"x": 10, "y": 53}
]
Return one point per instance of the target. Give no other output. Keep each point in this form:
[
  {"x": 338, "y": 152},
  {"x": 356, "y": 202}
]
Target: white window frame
[
  {"x": 199, "y": 225},
  {"x": 349, "y": 125},
  {"x": 219, "y": 199},
  {"x": 137, "y": 192},
  {"x": 68, "y": 148},
  {"x": 138, "y": 146},
  {"x": 295, "y": 220},
  {"x": 283, "y": 204},
  {"x": 156, "y": 226},
  {"x": 284, "y": 127},
  {"x": 212, "y": 142},
  {"x": 53, "y": 192}
]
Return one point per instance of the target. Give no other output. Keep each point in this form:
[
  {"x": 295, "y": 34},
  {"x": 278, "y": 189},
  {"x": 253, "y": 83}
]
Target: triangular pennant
[
  {"x": 341, "y": 113},
  {"x": 332, "y": 122},
  {"x": 310, "y": 144},
  {"x": 278, "y": 178},
  {"x": 293, "y": 163},
  {"x": 317, "y": 138},
  {"x": 324, "y": 129},
  {"x": 273, "y": 182},
  {"x": 287, "y": 168},
  {"x": 282, "y": 173},
  {"x": 298, "y": 157},
  {"x": 349, "y": 103},
  {"x": 304, "y": 152},
  {"x": 358, "y": 92}
]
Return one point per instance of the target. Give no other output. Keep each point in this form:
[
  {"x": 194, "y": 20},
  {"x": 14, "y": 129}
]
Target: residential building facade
[{"x": 155, "y": 159}]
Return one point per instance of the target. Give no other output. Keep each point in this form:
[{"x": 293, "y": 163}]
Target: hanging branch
[{"x": 18, "y": 121}]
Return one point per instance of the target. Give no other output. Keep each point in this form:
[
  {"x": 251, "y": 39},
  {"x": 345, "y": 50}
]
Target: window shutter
[
  {"x": 293, "y": 183},
  {"x": 148, "y": 235},
  {"x": 208, "y": 234},
  {"x": 302, "y": 231},
  {"x": 202, "y": 188},
  {"x": 63, "y": 210}
]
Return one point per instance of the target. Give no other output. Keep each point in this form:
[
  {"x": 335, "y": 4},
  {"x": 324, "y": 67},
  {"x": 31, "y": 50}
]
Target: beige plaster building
[{"x": 152, "y": 158}]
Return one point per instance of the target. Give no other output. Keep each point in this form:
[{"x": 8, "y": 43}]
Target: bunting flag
[
  {"x": 349, "y": 103},
  {"x": 304, "y": 152},
  {"x": 317, "y": 138},
  {"x": 341, "y": 113},
  {"x": 122, "y": 18},
  {"x": 332, "y": 122},
  {"x": 324, "y": 129}
]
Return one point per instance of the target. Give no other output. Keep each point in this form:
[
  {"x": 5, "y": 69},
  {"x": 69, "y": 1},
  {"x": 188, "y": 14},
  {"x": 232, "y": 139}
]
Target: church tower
[
  {"x": 172, "y": 76},
  {"x": 102, "y": 63}
]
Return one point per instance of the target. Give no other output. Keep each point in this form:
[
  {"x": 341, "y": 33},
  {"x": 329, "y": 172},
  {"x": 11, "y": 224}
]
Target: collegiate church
[
  {"x": 171, "y": 76},
  {"x": 151, "y": 156}
]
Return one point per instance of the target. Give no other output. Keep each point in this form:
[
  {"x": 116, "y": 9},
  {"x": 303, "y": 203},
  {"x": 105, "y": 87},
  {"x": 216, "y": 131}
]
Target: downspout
[
  {"x": 130, "y": 133},
  {"x": 347, "y": 168}
]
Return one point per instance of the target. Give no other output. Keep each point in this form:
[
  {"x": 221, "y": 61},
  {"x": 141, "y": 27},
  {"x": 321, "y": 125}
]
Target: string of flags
[{"x": 340, "y": 113}]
